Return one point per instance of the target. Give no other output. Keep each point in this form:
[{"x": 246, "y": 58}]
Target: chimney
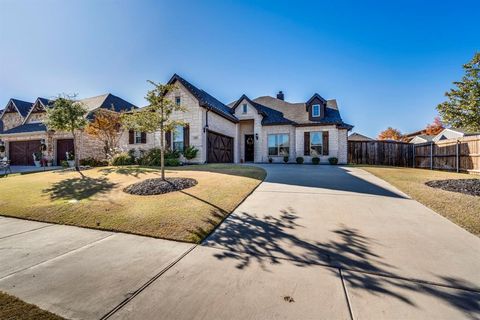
[{"x": 280, "y": 95}]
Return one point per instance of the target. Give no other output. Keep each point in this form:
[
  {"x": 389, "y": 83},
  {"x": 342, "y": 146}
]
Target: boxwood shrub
[
  {"x": 300, "y": 160},
  {"x": 315, "y": 160}
]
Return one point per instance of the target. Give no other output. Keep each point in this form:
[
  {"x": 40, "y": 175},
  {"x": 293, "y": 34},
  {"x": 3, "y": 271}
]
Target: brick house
[
  {"x": 22, "y": 131},
  {"x": 252, "y": 130},
  {"x": 246, "y": 130}
]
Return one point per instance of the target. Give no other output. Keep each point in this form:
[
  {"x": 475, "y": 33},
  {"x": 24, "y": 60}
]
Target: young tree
[
  {"x": 390, "y": 134},
  {"x": 66, "y": 114},
  {"x": 155, "y": 117},
  {"x": 462, "y": 110},
  {"x": 434, "y": 128},
  {"x": 105, "y": 127}
]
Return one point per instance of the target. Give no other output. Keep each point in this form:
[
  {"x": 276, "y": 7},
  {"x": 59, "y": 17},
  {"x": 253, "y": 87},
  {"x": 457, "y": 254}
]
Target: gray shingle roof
[
  {"x": 44, "y": 101},
  {"x": 106, "y": 101},
  {"x": 24, "y": 128},
  {"x": 22, "y": 106},
  {"x": 270, "y": 116},
  {"x": 205, "y": 99},
  {"x": 296, "y": 112}
]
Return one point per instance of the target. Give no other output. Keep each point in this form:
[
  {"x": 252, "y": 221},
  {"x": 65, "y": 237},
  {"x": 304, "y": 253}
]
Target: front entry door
[{"x": 249, "y": 147}]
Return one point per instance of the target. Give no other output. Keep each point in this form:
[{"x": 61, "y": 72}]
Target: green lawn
[
  {"x": 462, "y": 209},
  {"x": 96, "y": 200},
  {"x": 12, "y": 308}
]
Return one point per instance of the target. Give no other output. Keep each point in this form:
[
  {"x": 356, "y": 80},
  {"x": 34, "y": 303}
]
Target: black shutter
[
  {"x": 131, "y": 137},
  {"x": 306, "y": 143},
  {"x": 186, "y": 136},
  {"x": 144, "y": 137},
  {"x": 168, "y": 139},
  {"x": 325, "y": 143}
]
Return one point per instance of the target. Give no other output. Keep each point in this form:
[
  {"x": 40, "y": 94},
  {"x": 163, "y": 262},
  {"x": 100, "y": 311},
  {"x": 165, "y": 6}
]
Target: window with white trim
[
  {"x": 316, "y": 110},
  {"x": 178, "y": 140},
  {"x": 137, "y": 137},
  {"x": 316, "y": 143},
  {"x": 278, "y": 144}
]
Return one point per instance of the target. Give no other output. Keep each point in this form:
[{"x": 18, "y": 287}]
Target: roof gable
[
  {"x": 270, "y": 116},
  {"x": 205, "y": 99},
  {"x": 19, "y": 106}
]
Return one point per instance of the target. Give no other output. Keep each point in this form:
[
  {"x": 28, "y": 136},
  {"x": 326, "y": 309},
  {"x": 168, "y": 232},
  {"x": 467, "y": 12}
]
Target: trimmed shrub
[
  {"x": 270, "y": 160},
  {"x": 190, "y": 152},
  {"x": 92, "y": 162},
  {"x": 121, "y": 159},
  {"x": 333, "y": 160},
  {"x": 285, "y": 159},
  {"x": 153, "y": 158},
  {"x": 64, "y": 164},
  {"x": 300, "y": 160},
  {"x": 315, "y": 160},
  {"x": 172, "y": 162}
]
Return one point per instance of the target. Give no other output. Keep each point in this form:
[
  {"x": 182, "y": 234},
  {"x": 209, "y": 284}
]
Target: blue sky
[{"x": 386, "y": 63}]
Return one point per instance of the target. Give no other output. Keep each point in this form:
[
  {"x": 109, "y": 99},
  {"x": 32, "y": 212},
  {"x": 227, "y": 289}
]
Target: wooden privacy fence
[
  {"x": 383, "y": 153},
  {"x": 462, "y": 155}
]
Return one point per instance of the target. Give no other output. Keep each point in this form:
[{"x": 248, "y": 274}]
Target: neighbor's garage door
[
  {"x": 219, "y": 148},
  {"x": 21, "y": 152}
]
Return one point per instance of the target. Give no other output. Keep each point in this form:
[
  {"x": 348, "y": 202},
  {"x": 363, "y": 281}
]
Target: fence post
[
  {"x": 431, "y": 155},
  {"x": 457, "y": 159},
  {"x": 413, "y": 156}
]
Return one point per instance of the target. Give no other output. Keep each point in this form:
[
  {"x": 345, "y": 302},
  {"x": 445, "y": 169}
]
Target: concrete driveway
[{"x": 312, "y": 242}]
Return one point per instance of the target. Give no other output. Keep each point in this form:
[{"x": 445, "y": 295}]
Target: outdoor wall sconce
[
  {"x": 42, "y": 141},
  {"x": 205, "y": 128},
  {"x": 256, "y": 136}
]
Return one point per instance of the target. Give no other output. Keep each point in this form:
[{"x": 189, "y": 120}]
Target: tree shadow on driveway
[{"x": 250, "y": 239}]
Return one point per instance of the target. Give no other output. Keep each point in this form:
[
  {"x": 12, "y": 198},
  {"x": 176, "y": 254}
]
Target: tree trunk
[
  {"x": 162, "y": 151},
  {"x": 75, "y": 155}
]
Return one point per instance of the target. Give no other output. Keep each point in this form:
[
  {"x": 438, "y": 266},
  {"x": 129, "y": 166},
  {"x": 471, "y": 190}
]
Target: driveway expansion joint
[
  {"x": 132, "y": 295},
  {"x": 26, "y": 231},
  {"x": 56, "y": 257}
]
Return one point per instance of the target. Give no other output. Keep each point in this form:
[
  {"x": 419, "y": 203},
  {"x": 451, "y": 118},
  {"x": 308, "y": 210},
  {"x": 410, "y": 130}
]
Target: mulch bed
[
  {"x": 151, "y": 187},
  {"x": 465, "y": 186}
]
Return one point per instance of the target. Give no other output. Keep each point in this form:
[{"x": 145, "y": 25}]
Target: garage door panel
[
  {"x": 21, "y": 152},
  {"x": 220, "y": 148}
]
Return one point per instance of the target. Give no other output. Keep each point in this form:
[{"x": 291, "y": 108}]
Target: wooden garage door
[
  {"x": 63, "y": 146},
  {"x": 219, "y": 148},
  {"x": 21, "y": 152}
]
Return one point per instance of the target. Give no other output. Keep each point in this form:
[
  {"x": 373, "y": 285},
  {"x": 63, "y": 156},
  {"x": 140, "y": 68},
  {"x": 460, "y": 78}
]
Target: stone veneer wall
[
  {"x": 36, "y": 117},
  {"x": 11, "y": 120}
]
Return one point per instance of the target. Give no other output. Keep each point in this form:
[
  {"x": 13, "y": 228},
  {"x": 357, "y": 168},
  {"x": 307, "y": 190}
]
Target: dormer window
[
  {"x": 316, "y": 110},
  {"x": 244, "y": 108}
]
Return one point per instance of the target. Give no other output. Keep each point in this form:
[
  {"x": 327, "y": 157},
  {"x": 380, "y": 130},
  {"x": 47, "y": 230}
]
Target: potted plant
[
  {"x": 70, "y": 159},
  {"x": 49, "y": 163},
  {"x": 333, "y": 160},
  {"x": 37, "y": 157}
]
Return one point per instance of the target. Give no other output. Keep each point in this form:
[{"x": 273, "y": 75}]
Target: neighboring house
[
  {"x": 453, "y": 133},
  {"x": 23, "y": 133},
  {"x": 359, "y": 137},
  {"x": 252, "y": 130},
  {"x": 421, "y": 138}
]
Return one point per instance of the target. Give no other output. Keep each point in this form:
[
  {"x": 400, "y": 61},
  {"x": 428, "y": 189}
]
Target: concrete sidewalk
[{"x": 311, "y": 242}]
